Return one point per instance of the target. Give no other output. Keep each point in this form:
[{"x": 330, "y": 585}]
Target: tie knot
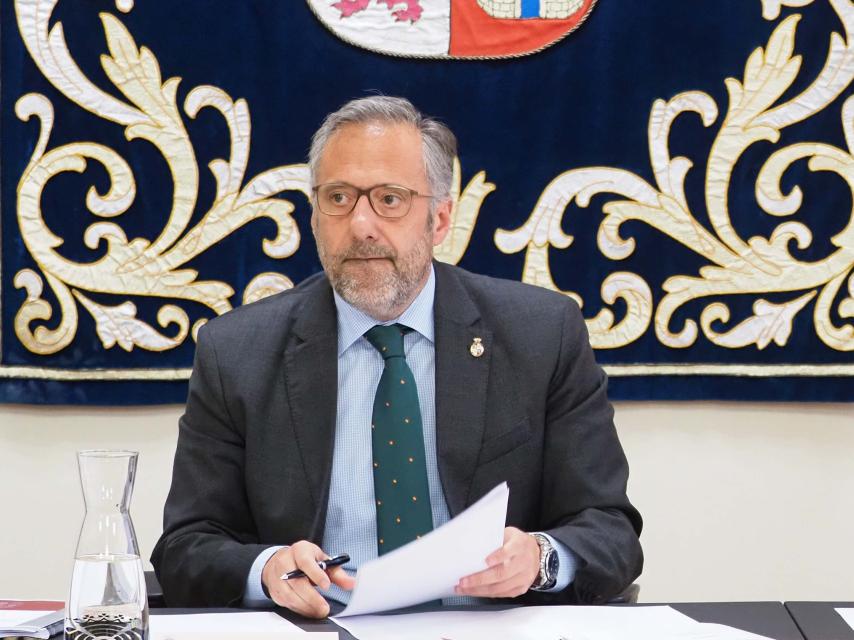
[{"x": 387, "y": 339}]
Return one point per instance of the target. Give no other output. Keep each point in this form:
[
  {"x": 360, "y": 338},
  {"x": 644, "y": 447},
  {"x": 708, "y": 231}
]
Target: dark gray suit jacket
[{"x": 254, "y": 458}]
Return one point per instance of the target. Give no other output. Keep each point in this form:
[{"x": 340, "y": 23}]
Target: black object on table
[
  {"x": 820, "y": 621},
  {"x": 154, "y": 591}
]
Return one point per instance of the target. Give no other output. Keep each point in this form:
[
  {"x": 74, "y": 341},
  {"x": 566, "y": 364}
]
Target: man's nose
[{"x": 363, "y": 219}]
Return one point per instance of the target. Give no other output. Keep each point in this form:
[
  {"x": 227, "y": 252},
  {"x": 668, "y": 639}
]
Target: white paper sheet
[
  {"x": 459, "y": 625},
  {"x": 847, "y": 615},
  {"x": 14, "y": 617},
  {"x": 543, "y": 623},
  {"x": 430, "y": 568},
  {"x": 638, "y": 623},
  {"x": 246, "y": 635},
  {"x": 178, "y": 626}
]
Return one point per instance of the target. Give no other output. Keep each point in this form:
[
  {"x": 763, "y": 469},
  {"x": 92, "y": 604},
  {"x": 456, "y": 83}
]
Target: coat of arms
[{"x": 452, "y": 28}]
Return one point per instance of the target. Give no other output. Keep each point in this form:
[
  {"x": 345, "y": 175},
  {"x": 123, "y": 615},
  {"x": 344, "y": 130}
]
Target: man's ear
[{"x": 442, "y": 221}]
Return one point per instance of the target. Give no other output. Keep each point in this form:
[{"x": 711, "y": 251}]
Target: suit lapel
[
  {"x": 461, "y": 380},
  {"x": 311, "y": 378}
]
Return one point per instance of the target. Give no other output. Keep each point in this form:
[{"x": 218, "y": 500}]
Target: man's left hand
[{"x": 511, "y": 570}]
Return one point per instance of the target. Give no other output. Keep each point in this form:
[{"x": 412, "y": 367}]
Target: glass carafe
[{"x": 108, "y": 599}]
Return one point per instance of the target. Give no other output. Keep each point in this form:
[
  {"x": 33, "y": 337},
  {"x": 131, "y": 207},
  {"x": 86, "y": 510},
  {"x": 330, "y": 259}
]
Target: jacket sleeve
[
  {"x": 585, "y": 472},
  {"x": 209, "y": 539}
]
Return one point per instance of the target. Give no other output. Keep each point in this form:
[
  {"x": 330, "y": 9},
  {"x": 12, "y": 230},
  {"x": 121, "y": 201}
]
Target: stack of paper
[
  {"x": 543, "y": 623},
  {"x": 35, "y": 619}
]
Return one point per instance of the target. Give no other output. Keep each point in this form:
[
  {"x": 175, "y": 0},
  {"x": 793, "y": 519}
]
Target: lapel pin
[{"x": 476, "y": 348}]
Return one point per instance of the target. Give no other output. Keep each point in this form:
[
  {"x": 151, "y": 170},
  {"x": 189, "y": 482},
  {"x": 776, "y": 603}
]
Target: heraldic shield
[{"x": 452, "y": 28}]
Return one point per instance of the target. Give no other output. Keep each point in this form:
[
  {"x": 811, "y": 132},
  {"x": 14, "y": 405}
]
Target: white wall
[{"x": 741, "y": 501}]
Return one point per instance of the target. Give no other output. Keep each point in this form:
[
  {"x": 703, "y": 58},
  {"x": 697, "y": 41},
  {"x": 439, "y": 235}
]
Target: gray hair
[{"x": 440, "y": 144}]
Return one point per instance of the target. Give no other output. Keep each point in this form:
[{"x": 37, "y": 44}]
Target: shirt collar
[{"x": 353, "y": 323}]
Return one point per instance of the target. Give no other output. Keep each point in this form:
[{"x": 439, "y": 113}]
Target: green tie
[{"x": 400, "y": 469}]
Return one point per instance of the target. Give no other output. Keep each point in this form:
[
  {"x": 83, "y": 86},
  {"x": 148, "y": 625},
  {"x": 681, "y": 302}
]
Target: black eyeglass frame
[{"x": 367, "y": 193}]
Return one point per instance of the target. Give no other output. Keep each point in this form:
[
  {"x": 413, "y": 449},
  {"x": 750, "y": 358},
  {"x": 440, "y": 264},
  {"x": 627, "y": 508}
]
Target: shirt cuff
[
  {"x": 568, "y": 565},
  {"x": 254, "y": 595}
]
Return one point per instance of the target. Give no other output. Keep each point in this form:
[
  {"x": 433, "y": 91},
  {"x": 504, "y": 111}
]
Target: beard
[{"x": 385, "y": 284}]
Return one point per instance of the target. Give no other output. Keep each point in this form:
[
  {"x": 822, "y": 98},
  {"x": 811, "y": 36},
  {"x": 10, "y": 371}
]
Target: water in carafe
[{"x": 108, "y": 600}]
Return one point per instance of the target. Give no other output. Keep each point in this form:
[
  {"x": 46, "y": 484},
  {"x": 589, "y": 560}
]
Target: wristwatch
[{"x": 549, "y": 564}]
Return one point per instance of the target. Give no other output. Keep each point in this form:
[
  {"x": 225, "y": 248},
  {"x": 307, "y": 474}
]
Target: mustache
[{"x": 360, "y": 250}]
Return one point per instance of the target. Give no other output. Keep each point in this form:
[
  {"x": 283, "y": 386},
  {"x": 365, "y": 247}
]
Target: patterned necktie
[{"x": 400, "y": 468}]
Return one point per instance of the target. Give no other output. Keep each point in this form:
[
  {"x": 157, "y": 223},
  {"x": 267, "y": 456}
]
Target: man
[{"x": 365, "y": 407}]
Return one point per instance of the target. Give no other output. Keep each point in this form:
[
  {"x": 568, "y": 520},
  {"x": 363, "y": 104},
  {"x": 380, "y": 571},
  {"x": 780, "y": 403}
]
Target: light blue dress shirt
[{"x": 350, "y": 517}]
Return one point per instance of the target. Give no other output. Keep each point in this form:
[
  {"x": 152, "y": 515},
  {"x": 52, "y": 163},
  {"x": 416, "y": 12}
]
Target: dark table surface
[
  {"x": 819, "y": 620},
  {"x": 765, "y": 618}
]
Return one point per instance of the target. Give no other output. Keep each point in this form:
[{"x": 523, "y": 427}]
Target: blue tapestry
[{"x": 683, "y": 170}]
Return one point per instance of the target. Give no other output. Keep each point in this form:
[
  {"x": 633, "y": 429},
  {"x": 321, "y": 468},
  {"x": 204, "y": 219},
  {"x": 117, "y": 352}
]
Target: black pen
[{"x": 337, "y": 561}]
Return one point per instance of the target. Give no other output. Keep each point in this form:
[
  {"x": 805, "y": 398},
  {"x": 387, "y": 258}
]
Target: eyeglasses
[{"x": 387, "y": 200}]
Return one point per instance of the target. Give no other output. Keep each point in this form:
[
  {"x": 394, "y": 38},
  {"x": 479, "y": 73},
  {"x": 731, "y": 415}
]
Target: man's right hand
[{"x": 300, "y": 594}]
